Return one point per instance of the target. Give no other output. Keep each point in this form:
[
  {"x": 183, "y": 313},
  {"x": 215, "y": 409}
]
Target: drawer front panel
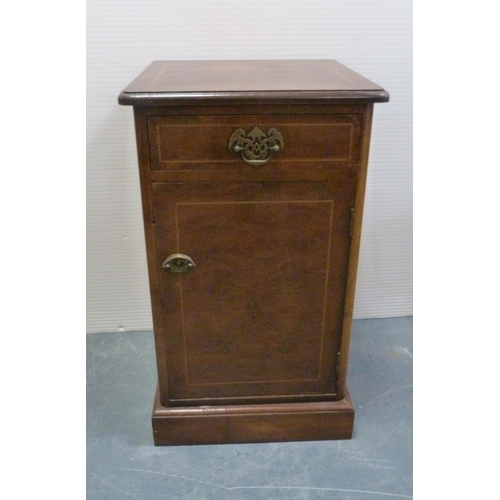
[{"x": 202, "y": 142}]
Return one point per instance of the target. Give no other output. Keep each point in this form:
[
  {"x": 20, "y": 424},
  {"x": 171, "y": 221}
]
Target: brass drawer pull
[
  {"x": 178, "y": 263},
  {"x": 256, "y": 147}
]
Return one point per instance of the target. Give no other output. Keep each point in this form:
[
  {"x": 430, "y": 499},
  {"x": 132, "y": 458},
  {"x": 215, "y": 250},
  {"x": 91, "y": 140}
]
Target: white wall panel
[{"x": 372, "y": 37}]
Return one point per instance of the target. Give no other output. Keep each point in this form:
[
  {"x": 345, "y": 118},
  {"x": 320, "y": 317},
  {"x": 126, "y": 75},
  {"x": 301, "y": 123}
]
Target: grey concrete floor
[{"x": 123, "y": 463}]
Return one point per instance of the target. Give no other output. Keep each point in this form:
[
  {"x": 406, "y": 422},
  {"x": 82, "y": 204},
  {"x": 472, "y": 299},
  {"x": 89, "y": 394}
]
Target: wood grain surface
[
  {"x": 199, "y": 143},
  {"x": 255, "y": 317},
  {"x": 252, "y": 423},
  {"x": 163, "y": 81}
]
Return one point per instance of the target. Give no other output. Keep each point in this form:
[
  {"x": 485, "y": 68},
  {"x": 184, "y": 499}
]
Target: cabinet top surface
[{"x": 168, "y": 80}]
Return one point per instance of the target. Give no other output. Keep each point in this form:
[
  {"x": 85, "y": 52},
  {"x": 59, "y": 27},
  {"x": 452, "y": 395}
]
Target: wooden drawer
[{"x": 202, "y": 142}]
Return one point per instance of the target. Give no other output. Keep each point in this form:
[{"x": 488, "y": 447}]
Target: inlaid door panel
[{"x": 259, "y": 316}]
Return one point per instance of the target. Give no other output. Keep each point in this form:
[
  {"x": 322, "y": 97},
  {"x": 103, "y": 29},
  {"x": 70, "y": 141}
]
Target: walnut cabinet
[{"x": 252, "y": 178}]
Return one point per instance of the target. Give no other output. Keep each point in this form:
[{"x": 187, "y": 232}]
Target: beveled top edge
[
  {"x": 162, "y": 99},
  {"x": 164, "y": 81}
]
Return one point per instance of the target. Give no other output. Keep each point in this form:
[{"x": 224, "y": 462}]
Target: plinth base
[{"x": 252, "y": 423}]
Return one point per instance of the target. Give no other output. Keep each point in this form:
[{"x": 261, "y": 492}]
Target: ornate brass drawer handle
[
  {"x": 178, "y": 263},
  {"x": 256, "y": 147}
]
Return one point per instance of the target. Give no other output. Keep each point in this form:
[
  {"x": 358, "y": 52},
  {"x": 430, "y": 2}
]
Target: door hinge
[
  {"x": 351, "y": 223},
  {"x": 337, "y": 365}
]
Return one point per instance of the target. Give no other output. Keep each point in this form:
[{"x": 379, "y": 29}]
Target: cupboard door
[{"x": 259, "y": 316}]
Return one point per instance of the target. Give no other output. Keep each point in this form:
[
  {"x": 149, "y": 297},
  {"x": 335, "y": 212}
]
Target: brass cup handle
[
  {"x": 256, "y": 147},
  {"x": 178, "y": 263}
]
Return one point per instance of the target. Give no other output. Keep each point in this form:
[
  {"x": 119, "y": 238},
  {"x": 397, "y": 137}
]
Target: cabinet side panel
[{"x": 143, "y": 152}]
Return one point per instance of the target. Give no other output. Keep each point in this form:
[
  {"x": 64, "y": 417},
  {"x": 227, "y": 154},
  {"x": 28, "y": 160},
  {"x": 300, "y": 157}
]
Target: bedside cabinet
[{"x": 252, "y": 178}]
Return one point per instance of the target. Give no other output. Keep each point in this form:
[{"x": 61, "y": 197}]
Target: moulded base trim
[{"x": 252, "y": 423}]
